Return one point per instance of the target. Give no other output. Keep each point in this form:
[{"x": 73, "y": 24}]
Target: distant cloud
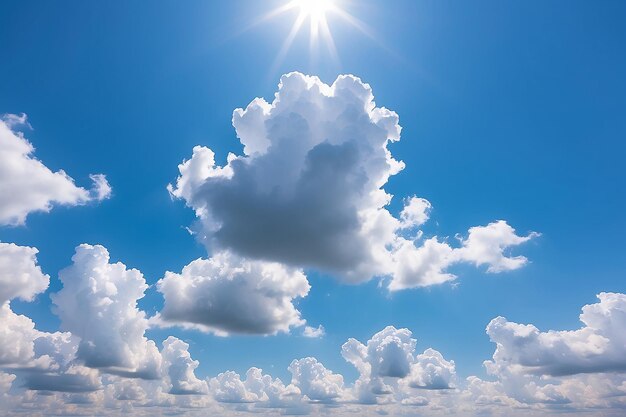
[
  {"x": 180, "y": 368},
  {"x": 390, "y": 355},
  {"x": 27, "y": 185},
  {"x": 599, "y": 346},
  {"x": 308, "y": 192},
  {"x": 314, "y": 332},
  {"x": 227, "y": 294},
  {"x": 315, "y": 381}
]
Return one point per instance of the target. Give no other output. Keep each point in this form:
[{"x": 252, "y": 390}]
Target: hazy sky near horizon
[{"x": 426, "y": 217}]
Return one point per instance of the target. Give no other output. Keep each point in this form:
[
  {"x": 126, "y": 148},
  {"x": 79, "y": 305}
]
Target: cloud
[
  {"x": 415, "y": 213},
  {"x": 259, "y": 389},
  {"x": 315, "y": 381},
  {"x": 599, "y": 346},
  {"x": 227, "y": 294},
  {"x": 314, "y": 332},
  {"x": 387, "y": 362},
  {"x": 101, "y": 188},
  {"x": 105, "y": 295},
  {"x": 180, "y": 368},
  {"x": 6, "y": 381},
  {"x": 20, "y": 276},
  {"x": 486, "y": 246},
  {"x": 426, "y": 265},
  {"x": 308, "y": 191},
  {"x": 431, "y": 370},
  {"x": 17, "y": 333},
  {"x": 27, "y": 185}
]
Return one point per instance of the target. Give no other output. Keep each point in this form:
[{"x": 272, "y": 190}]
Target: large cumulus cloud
[
  {"x": 98, "y": 304},
  {"x": 27, "y": 185},
  {"x": 227, "y": 294},
  {"x": 308, "y": 191}
]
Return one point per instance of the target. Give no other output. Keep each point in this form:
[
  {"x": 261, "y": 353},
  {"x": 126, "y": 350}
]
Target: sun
[
  {"x": 317, "y": 14},
  {"x": 314, "y": 9}
]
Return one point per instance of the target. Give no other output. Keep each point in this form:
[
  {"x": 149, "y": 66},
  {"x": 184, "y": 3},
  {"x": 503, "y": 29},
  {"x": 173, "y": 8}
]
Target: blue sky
[{"x": 509, "y": 110}]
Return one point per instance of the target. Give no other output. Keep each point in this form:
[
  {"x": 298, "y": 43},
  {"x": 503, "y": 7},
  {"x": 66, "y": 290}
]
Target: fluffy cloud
[
  {"x": 20, "y": 276},
  {"x": 27, "y": 185},
  {"x": 389, "y": 359},
  {"x": 315, "y": 381},
  {"x": 425, "y": 265},
  {"x": 180, "y": 368},
  {"x": 563, "y": 371},
  {"x": 486, "y": 246},
  {"x": 45, "y": 361},
  {"x": 599, "y": 346},
  {"x": 314, "y": 332},
  {"x": 431, "y": 370},
  {"x": 415, "y": 213},
  {"x": 227, "y": 294},
  {"x": 17, "y": 334},
  {"x": 259, "y": 389},
  {"x": 105, "y": 295},
  {"x": 308, "y": 191}
]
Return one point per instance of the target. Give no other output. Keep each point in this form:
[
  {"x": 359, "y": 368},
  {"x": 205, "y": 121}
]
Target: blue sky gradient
[{"x": 510, "y": 110}]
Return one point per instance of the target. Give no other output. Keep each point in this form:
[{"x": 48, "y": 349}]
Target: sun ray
[
  {"x": 288, "y": 41},
  {"x": 316, "y": 12}
]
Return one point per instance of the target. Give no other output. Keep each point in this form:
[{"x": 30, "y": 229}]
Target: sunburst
[{"x": 316, "y": 12}]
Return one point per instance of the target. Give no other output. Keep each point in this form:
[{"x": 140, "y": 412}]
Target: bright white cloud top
[
  {"x": 30, "y": 184},
  {"x": 105, "y": 295}
]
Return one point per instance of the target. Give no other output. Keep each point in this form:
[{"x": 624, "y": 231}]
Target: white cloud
[
  {"x": 314, "y": 332},
  {"x": 180, "y": 368},
  {"x": 426, "y": 265},
  {"x": 486, "y": 246},
  {"x": 20, "y": 276},
  {"x": 101, "y": 188},
  {"x": 432, "y": 371},
  {"x": 258, "y": 389},
  {"x": 17, "y": 334},
  {"x": 568, "y": 371},
  {"x": 227, "y": 294},
  {"x": 308, "y": 191},
  {"x": 388, "y": 366},
  {"x": 27, "y": 185},
  {"x": 415, "y": 213},
  {"x": 315, "y": 381},
  {"x": 599, "y": 346},
  {"x": 105, "y": 295}
]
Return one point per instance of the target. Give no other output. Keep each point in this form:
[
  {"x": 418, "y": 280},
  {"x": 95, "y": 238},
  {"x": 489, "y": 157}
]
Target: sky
[{"x": 206, "y": 209}]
